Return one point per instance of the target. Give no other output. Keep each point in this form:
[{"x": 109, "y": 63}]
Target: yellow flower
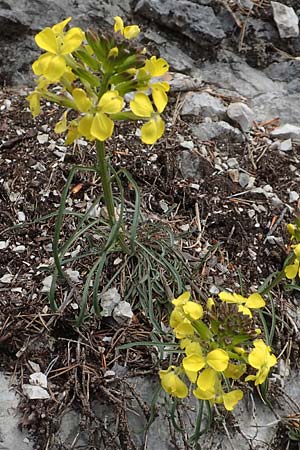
[
  {"x": 216, "y": 359},
  {"x": 260, "y": 358},
  {"x": 254, "y": 301},
  {"x": 292, "y": 270},
  {"x": 129, "y": 32},
  {"x": 172, "y": 384},
  {"x": 57, "y": 44},
  {"x": 230, "y": 399},
  {"x": 156, "y": 67},
  {"x": 99, "y": 125}
]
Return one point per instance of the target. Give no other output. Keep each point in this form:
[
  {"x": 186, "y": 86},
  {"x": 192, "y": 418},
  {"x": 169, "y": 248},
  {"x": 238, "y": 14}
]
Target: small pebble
[
  {"x": 244, "y": 179},
  {"x": 293, "y": 196}
]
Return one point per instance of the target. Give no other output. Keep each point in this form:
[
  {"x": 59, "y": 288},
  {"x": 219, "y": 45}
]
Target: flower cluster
[
  {"x": 104, "y": 78},
  {"x": 218, "y": 345}
]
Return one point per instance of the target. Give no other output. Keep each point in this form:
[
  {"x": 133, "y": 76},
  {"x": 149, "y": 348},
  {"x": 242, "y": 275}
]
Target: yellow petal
[
  {"x": 141, "y": 106},
  {"x": 81, "y": 99},
  {"x": 152, "y": 130},
  {"x": 246, "y": 311},
  {"x": 231, "y": 298},
  {"x": 297, "y": 251},
  {"x": 102, "y": 127},
  {"x": 34, "y": 103},
  {"x": 160, "y": 98},
  {"x": 176, "y": 318},
  {"x": 119, "y": 24},
  {"x": 85, "y": 124},
  {"x": 41, "y": 64},
  {"x": 291, "y": 271},
  {"x": 72, "y": 40},
  {"x": 172, "y": 384},
  {"x": 183, "y": 330},
  {"x": 131, "y": 31},
  {"x": 61, "y": 126},
  {"x": 235, "y": 371},
  {"x": 255, "y": 301},
  {"x": 193, "y": 363},
  {"x": 203, "y": 395},
  {"x": 230, "y": 399},
  {"x": 218, "y": 359},
  {"x": 182, "y": 299},
  {"x": 193, "y": 348},
  {"x": 156, "y": 67},
  {"x": 46, "y": 40},
  {"x": 59, "y": 27},
  {"x": 111, "y": 102},
  {"x": 194, "y": 310},
  {"x": 56, "y": 68},
  {"x": 192, "y": 376},
  {"x": 72, "y": 134},
  {"x": 206, "y": 380},
  {"x": 210, "y": 303}
]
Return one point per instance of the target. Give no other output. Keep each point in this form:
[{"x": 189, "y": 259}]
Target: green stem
[{"x": 103, "y": 171}]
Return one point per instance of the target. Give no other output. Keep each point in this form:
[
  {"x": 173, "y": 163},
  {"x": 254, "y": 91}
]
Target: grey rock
[
  {"x": 109, "y": 300},
  {"x": 232, "y": 163},
  {"x": 285, "y": 146},
  {"x": 197, "y": 22},
  {"x": 286, "y": 71},
  {"x": 286, "y": 20},
  {"x": 259, "y": 29},
  {"x": 286, "y": 131},
  {"x": 177, "y": 59},
  {"x": 184, "y": 83},
  {"x": 244, "y": 179},
  {"x": 241, "y": 114},
  {"x": 10, "y": 435},
  {"x": 203, "y": 104},
  {"x": 188, "y": 164},
  {"x": 122, "y": 312},
  {"x": 35, "y": 392},
  {"x": 282, "y": 104},
  {"x": 231, "y": 74},
  {"x": 246, "y": 4},
  {"x": 293, "y": 196},
  {"x": 217, "y": 131}
]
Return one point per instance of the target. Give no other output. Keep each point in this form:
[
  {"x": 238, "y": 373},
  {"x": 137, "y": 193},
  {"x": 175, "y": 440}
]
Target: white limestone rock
[
  {"x": 204, "y": 104},
  {"x": 286, "y": 131},
  {"x": 241, "y": 114},
  {"x": 286, "y": 20}
]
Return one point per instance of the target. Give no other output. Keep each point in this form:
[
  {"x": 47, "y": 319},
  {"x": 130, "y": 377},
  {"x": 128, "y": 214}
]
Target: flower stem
[{"x": 103, "y": 171}]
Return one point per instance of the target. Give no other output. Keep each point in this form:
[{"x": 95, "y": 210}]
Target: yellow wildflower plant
[
  {"x": 214, "y": 352},
  {"x": 293, "y": 270}
]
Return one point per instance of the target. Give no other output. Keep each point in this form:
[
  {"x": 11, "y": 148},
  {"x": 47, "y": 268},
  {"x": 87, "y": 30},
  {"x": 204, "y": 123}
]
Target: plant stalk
[{"x": 102, "y": 168}]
